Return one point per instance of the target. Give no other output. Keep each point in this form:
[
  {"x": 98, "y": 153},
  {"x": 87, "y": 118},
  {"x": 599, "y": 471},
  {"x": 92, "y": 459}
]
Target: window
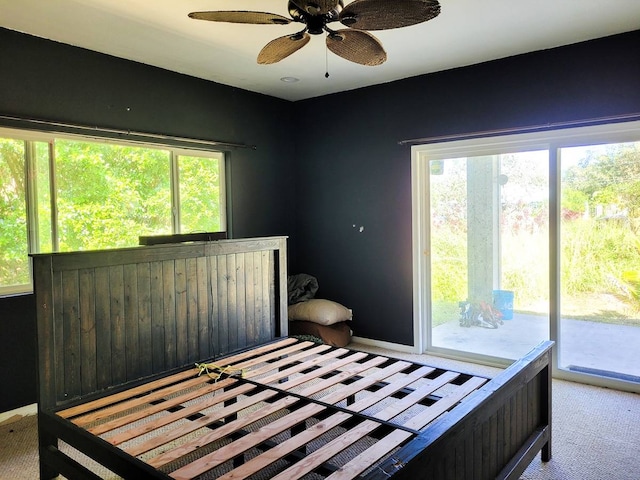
[
  {"x": 522, "y": 238},
  {"x": 68, "y": 193}
]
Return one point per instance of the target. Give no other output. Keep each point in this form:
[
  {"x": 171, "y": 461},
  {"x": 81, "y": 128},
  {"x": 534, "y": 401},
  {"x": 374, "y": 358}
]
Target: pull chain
[{"x": 326, "y": 60}]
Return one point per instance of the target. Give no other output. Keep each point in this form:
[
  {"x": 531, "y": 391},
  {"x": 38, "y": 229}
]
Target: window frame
[
  {"x": 552, "y": 140},
  {"x": 31, "y": 137}
]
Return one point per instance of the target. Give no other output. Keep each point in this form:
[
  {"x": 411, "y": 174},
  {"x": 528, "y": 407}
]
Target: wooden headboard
[{"x": 107, "y": 318}]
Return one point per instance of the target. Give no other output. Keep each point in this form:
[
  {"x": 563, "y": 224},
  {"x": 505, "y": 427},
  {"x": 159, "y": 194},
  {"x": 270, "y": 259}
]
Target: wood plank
[
  {"x": 266, "y": 327},
  {"x": 207, "y": 308},
  {"x": 169, "y": 314},
  {"x": 285, "y": 448},
  {"x": 232, "y": 427},
  {"x": 334, "y": 447},
  {"x": 161, "y": 382},
  {"x": 193, "y": 314},
  {"x": 227, "y": 452},
  {"x": 205, "y": 420},
  {"x": 118, "y": 335},
  {"x": 338, "y": 363},
  {"x": 252, "y": 298},
  {"x": 445, "y": 403},
  {"x": 103, "y": 328},
  {"x": 144, "y": 347},
  {"x": 395, "y": 438},
  {"x": 291, "y": 358},
  {"x": 268, "y": 357},
  {"x": 290, "y": 445},
  {"x": 126, "y": 394},
  {"x": 222, "y": 344},
  {"x": 343, "y": 374},
  {"x": 242, "y": 296},
  {"x": 88, "y": 370},
  {"x": 44, "y": 303},
  {"x": 232, "y": 302},
  {"x": 181, "y": 313},
  {"x": 58, "y": 339},
  {"x": 370, "y": 456},
  {"x": 157, "y": 319},
  {"x": 105, "y": 258},
  {"x": 132, "y": 337},
  {"x": 327, "y": 451},
  {"x": 136, "y": 431},
  {"x": 148, "y": 407},
  {"x": 71, "y": 334},
  {"x": 390, "y": 389}
]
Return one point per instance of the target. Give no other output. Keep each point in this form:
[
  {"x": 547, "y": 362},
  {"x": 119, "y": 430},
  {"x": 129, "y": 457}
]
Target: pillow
[
  {"x": 318, "y": 310},
  {"x": 337, "y": 335}
]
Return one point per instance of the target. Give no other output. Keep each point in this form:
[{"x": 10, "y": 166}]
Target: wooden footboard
[{"x": 495, "y": 433}]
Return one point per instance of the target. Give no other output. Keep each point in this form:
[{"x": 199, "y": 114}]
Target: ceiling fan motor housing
[{"x": 315, "y": 22}]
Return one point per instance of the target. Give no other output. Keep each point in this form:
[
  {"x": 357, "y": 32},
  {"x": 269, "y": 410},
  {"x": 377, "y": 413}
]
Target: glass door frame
[{"x": 551, "y": 140}]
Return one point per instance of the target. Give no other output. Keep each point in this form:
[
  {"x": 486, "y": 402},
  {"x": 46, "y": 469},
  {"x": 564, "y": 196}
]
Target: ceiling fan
[{"x": 354, "y": 43}]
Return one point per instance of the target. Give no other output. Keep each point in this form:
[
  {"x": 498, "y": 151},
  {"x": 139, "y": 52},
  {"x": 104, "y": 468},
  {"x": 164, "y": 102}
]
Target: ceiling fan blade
[
  {"x": 282, "y": 47},
  {"x": 255, "y": 18},
  {"x": 357, "y": 46},
  {"x": 316, "y": 7},
  {"x": 380, "y": 15}
]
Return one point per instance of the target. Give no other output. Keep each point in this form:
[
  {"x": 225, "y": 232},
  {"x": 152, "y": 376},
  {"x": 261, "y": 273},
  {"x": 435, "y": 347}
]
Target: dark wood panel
[
  {"x": 221, "y": 305},
  {"x": 71, "y": 332},
  {"x": 132, "y": 327},
  {"x": 144, "y": 315},
  {"x": 206, "y": 292},
  {"x": 88, "y": 340},
  {"x": 157, "y": 318},
  {"x": 118, "y": 342},
  {"x": 103, "y": 328},
  {"x": 180, "y": 312},
  {"x": 169, "y": 313},
  {"x": 122, "y": 315}
]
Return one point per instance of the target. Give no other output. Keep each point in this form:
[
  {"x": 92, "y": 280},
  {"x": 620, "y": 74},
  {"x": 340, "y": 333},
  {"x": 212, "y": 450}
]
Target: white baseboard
[
  {"x": 18, "y": 413},
  {"x": 388, "y": 345}
]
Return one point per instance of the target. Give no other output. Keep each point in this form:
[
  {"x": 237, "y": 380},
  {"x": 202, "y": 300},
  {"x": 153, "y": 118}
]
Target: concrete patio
[{"x": 587, "y": 345}]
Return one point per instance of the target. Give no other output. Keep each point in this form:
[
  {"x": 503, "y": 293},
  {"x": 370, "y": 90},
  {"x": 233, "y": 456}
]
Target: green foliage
[
  {"x": 106, "y": 197},
  {"x": 599, "y": 255},
  {"x": 14, "y": 264},
  {"x": 199, "y": 194},
  {"x": 448, "y": 265}
]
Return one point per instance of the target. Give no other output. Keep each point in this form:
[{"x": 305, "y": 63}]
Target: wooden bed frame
[{"x": 173, "y": 362}]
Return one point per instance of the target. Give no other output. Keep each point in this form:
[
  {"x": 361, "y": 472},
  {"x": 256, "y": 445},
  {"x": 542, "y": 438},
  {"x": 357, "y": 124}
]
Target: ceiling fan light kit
[{"x": 354, "y": 43}]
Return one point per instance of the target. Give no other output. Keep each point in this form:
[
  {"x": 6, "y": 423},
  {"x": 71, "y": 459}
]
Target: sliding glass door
[
  {"x": 528, "y": 237},
  {"x": 488, "y": 222},
  {"x": 600, "y": 260}
]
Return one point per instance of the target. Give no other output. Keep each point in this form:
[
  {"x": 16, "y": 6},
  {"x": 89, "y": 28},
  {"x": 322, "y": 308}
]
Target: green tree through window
[{"x": 105, "y": 195}]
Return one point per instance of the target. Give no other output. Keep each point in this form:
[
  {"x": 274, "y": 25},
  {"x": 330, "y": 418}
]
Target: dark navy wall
[
  {"x": 355, "y": 181},
  {"x": 47, "y": 80}
]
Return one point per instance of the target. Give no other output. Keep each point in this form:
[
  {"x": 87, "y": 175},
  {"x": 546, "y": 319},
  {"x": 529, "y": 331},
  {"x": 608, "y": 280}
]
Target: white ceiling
[{"x": 159, "y": 33}]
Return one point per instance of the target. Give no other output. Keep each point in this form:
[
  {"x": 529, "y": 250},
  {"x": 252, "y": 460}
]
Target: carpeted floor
[{"x": 596, "y": 432}]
